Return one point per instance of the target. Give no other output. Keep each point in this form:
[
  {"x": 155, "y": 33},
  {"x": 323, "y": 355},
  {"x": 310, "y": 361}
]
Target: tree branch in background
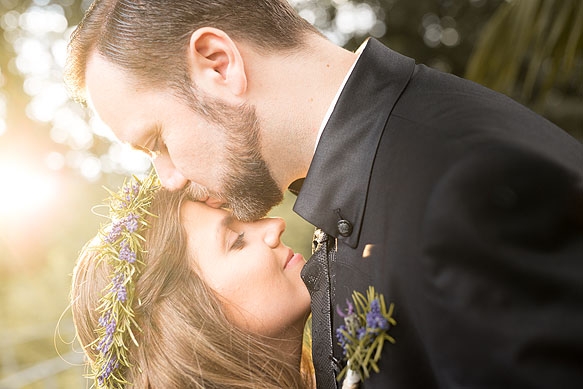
[{"x": 532, "y": 50}]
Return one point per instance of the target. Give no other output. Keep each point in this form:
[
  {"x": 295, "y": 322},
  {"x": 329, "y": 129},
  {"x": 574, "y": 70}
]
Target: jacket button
[{"x": 344, "y": 228}]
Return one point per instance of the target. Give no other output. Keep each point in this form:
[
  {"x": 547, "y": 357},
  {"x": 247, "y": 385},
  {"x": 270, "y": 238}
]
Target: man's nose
[
  {"x": 169, "y": 176},
  {"x": 213, "y": 202}
]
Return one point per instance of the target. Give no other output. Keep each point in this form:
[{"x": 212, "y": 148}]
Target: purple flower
[
  {"x": 122, "y": 294},
  {"x": 131, "y": 222},
  {"x": 119, "y": 288},
  {"x": 114, "y": 233},
  {"x": 131, "y": 191},
  {"x": 110, "y": 325},
  {"x": 104, "y": 319},
  {"x": 349, "y": 310},
  {"x": 112, "y": 364},
  {"x": 341, "y": 337},
  {"x": 126, "y": 254},
  {"x": 374, "y": 318}
]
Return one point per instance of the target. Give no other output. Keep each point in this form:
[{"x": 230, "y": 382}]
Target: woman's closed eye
[{"x": 239, "y": 243}]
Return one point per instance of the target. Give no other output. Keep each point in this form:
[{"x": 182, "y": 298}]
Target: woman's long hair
[{"x": 185, "y": 339}]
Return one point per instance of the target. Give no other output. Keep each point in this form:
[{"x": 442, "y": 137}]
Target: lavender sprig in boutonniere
[{"x": 365, "y": 330}]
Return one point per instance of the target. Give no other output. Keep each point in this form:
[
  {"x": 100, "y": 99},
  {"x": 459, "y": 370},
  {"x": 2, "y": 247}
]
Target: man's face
[{"x": 219, "y": 151}]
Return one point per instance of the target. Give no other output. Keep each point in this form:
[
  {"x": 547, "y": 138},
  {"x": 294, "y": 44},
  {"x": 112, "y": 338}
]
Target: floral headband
[{"x": 120, "y": 246}]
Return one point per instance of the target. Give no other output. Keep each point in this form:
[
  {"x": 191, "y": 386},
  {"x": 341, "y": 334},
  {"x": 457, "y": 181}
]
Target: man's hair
[
  {"x": 185, "y": 338},
  {"x": 149, "y": 38}
]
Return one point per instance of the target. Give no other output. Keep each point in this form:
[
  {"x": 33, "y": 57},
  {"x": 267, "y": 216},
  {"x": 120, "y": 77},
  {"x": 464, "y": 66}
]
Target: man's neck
[{"x": 292, "y": 93}]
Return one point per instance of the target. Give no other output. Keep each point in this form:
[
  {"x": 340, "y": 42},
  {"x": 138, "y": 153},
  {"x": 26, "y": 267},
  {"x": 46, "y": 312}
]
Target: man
[{"x": 457, "y": 204}]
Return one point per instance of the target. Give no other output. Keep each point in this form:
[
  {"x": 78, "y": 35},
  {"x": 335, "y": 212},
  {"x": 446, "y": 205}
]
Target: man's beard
[{"x": 248, "y": 188}]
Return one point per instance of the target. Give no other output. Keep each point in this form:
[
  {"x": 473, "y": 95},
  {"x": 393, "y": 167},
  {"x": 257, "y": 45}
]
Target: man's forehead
[
  {"x": 99, "y": 67},
  {"x": 112, "y": 96},
  {"x": 104, "y": 80}
]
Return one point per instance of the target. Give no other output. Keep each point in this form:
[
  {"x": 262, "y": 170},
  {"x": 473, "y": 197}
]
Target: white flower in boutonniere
[{"x": 365, "y": 330}]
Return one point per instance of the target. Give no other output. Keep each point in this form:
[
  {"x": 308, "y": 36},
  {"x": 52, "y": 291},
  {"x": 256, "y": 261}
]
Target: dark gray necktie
[{"x": 316, "y": 276}]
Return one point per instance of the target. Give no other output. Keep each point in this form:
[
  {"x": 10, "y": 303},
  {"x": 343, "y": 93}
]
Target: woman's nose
[
  {"x": 274, "y": 228},
  {"x": 169, "y": 176}
]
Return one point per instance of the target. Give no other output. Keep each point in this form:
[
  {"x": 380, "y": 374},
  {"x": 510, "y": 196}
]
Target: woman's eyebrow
[
  {"x": 224, "y": 225},
  {"x": 228, "y": 221}
]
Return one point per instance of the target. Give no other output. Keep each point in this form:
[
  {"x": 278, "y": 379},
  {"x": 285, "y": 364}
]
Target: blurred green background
[{"x": 55, "y": 158}]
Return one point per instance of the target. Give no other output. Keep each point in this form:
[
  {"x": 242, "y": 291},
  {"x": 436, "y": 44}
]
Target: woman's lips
[{"x": 292, "y": 258}]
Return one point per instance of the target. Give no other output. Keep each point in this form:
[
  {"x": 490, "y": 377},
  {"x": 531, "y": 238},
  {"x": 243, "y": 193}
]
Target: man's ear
[{"x": 216, "y": 64}]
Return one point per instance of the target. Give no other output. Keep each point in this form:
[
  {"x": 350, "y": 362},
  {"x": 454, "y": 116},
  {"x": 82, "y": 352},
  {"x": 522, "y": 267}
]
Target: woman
[{"x": 202, "y": 301}]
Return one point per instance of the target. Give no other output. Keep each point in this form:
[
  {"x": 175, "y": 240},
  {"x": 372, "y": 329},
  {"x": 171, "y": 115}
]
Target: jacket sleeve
[{"x": 503, "y": 254}]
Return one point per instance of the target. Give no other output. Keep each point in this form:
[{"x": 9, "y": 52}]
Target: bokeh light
[
  {"x": 39, "y": 37},
  {"x": 26, "y": 191},
  {"x": 351, "y": 19},
  {"x": 2, "y": 110},
  {"x": 439, "y": 31}
]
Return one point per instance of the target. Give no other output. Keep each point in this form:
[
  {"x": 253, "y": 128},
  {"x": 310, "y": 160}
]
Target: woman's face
[{"x": 247, "y": 265}]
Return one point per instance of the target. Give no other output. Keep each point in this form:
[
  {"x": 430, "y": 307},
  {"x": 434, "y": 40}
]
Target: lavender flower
[
  {"x": 119, "y": 288},
  {"x": 374, "y": 318},
  {"x": 126, "y": 253},
  {"x": 104, "y": 319},
  {"x": 349, "y": 310},
  {"x": 110, "y": 326},
  {"x": 342, "y": 340},
  {"x": 131, "y": 222},
  {"x": 114, "y": 233},
  {"x": 128, "y": 193},
  {"x": 364, "y": 332},
  {"x": 112, "y": 364}
]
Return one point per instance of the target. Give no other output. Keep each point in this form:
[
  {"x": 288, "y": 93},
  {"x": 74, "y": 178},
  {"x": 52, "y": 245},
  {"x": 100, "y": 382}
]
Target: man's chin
[{"x": 251, "y": 209}]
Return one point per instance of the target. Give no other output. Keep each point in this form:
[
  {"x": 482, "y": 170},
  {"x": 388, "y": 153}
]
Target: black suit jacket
[{"x": 467, "y": 213}]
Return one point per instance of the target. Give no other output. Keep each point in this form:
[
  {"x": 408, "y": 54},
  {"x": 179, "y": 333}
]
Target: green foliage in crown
[{"x": 120, "y": 246}]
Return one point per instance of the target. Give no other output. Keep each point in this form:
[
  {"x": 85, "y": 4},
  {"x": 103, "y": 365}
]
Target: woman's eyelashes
[{"x": 239, "y": 243}]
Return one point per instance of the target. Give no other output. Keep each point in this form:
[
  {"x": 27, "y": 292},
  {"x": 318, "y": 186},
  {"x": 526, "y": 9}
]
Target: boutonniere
[{"x": 362, "y": 336}]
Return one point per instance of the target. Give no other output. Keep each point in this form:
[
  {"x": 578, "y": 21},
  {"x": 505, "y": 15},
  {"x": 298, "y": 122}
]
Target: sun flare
[{"x": 24, "y": 191}]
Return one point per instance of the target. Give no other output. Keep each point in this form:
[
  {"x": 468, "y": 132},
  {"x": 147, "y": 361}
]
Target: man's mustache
[{"x": 196, "y": 192}]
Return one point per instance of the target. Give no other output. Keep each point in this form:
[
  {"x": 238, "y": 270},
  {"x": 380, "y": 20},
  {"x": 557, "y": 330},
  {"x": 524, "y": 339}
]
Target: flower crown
[{"x": 120, "y": 246}]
